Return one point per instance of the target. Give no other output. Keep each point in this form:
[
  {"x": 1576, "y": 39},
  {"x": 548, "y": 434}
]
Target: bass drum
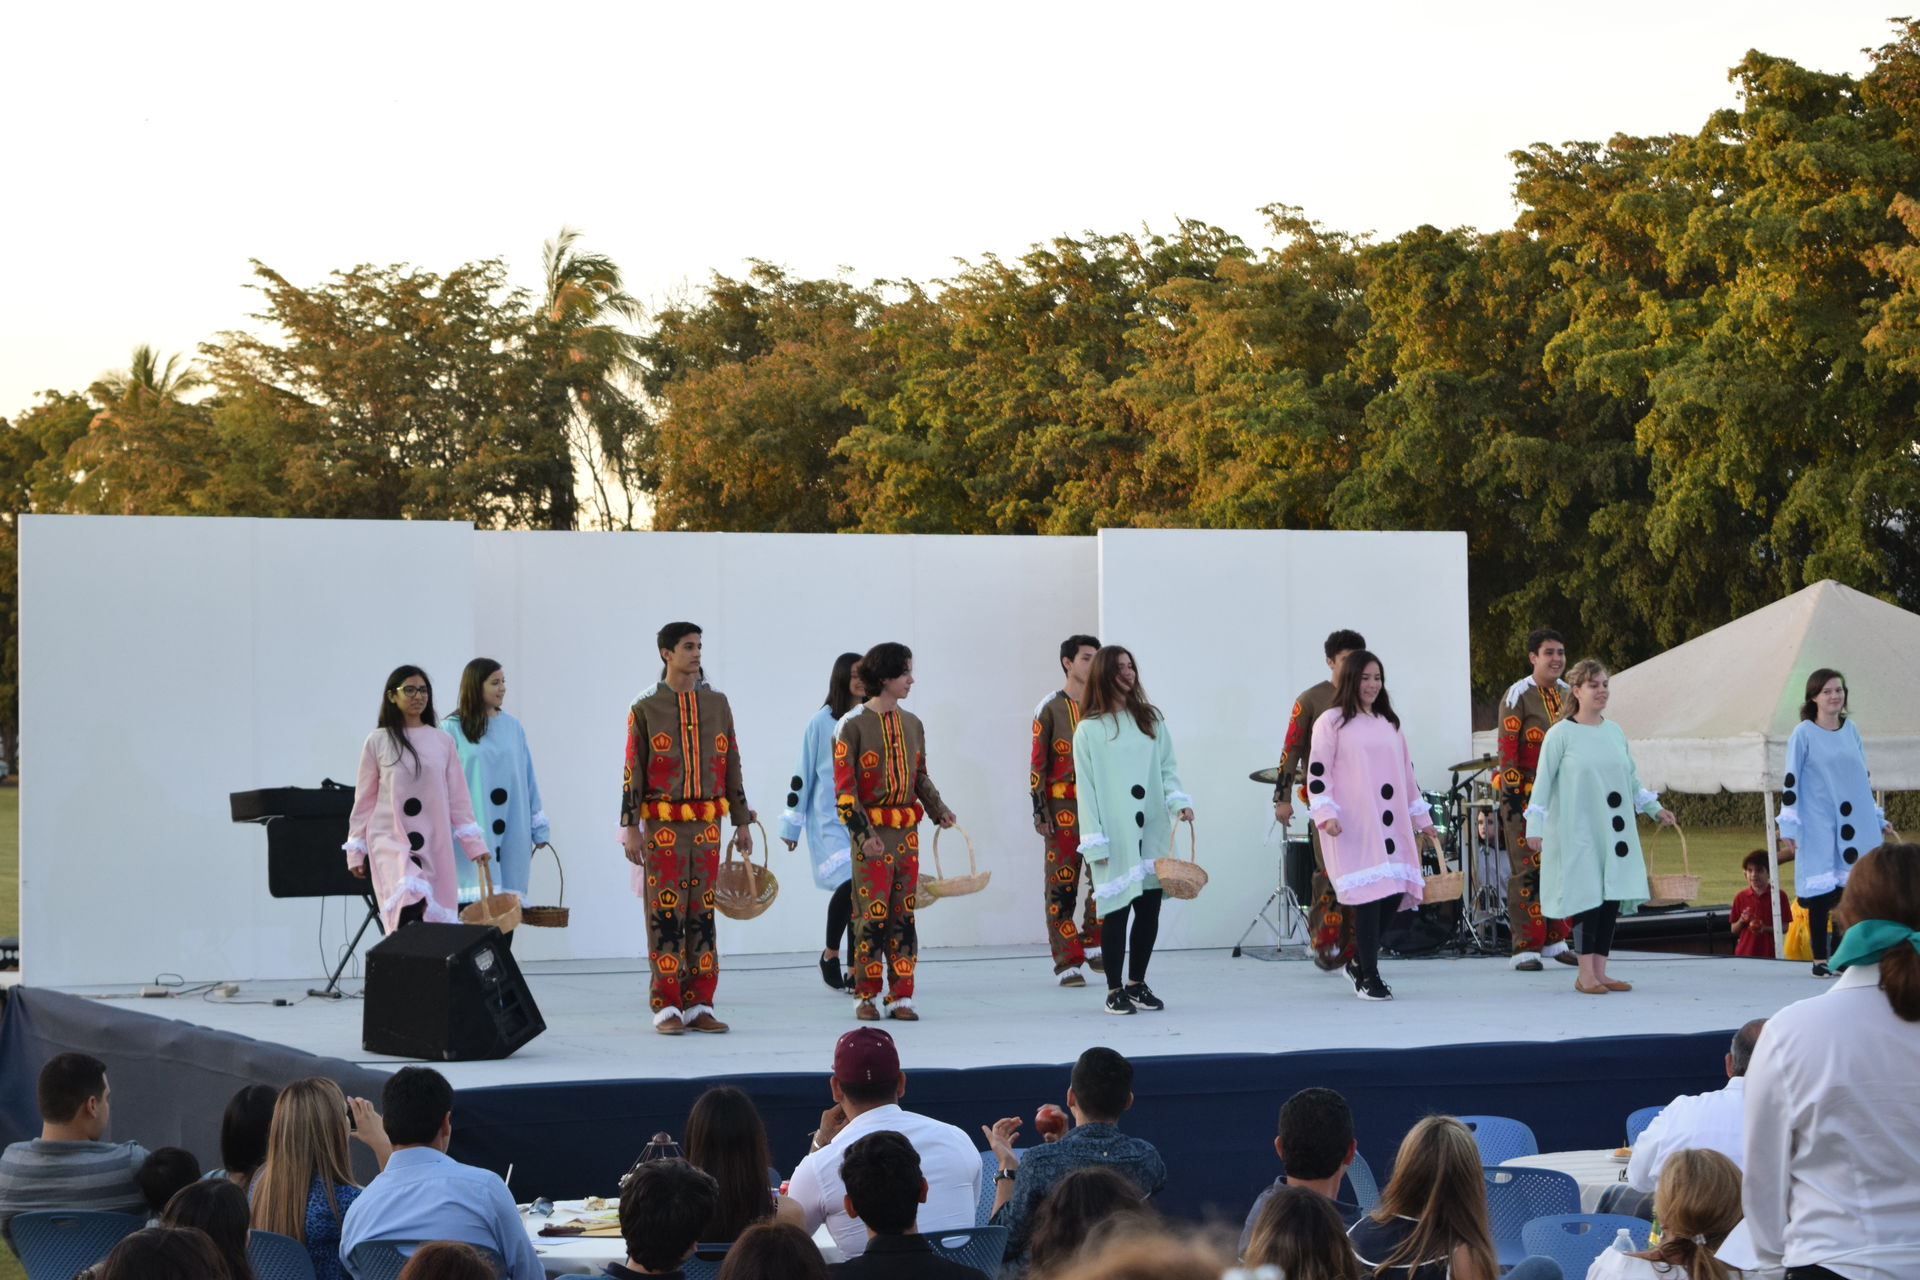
[{"x": 1296, "y": 868}]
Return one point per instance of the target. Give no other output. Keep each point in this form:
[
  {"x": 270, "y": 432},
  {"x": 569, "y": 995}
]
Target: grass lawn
[
  {"x": 10, "y": 862},
  {"x": 1715, "y": 854}
]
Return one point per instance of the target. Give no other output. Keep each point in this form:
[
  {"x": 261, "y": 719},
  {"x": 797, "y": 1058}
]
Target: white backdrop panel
[
  {"x": 167, "y": 662},
  {"x": 1228, "y": 625}
]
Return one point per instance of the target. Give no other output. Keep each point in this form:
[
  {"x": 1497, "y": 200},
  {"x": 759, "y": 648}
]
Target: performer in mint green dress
[{"x": 1580, "y": 820}]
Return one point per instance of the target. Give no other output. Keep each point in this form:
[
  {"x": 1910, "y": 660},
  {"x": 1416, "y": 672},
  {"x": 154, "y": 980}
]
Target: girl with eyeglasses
[{"x": 410, "y": 809}]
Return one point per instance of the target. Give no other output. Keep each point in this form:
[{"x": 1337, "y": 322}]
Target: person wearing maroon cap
[{"x": 867, "y": 1085}]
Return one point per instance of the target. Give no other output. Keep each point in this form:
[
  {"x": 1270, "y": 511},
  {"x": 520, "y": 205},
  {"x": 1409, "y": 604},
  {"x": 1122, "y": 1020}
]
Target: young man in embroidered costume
[
  {"x": 1130, "y": 794},
  {"x": 1329, "y": 926},
  {"x": 881, "y": 784},
  {"x": 682, "y": 777},
  {"x": 1056, "y": 816},
  {"x": 1527, "y": 710}
]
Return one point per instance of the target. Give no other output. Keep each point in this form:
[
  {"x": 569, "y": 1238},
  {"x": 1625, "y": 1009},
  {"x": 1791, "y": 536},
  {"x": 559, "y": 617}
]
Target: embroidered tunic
[
  {"x": 1527, "y": 711},
  {"x": 1826, "y": 806},
  {"x": 1359, "y": 773},
  {"x": 1054, "y": 792},
  {"x": 506, "y": 802},
  {"x": 812, "y": 807},
  {"x": 407, "y": 817},
  {"x": 1583, "y": 802},
  {"x": 1129, "y": 790},
  {"x": 1307, "y": 710}
]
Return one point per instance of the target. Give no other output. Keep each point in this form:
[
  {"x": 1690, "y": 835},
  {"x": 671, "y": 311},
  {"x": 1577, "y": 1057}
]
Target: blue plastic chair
[
  {"x": 382, "y": 1259},
  {"x": 1501, "y": 1139},
  {"x": 55, "y": 1243},
  {"x": 1574, "y": 1240},
  {"x": 989, "y": 1165},
  {"x": 1637, "y": 1122},
  {"x": 1516, "y": 1197},
  {"x": 1360, "y": 1179},
  {"x": 705, "y": 1262},
  {"x": 979, "y": 1247},
  {"x": 278, "y": 1257}
]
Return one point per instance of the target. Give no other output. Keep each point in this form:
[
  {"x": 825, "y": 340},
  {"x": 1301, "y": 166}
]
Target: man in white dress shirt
[
  {"x": 867, "y": 1086},
  {"x": 1714, "y": 1120}
]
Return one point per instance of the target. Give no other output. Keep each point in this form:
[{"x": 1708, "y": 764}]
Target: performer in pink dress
[
  {"x": 410, "y": 807},
  {"x": 1367, "y": 804}
]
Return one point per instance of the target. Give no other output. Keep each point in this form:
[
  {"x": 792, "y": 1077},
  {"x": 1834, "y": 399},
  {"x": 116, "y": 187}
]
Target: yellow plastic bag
[{"x": 1799, "y": 935}]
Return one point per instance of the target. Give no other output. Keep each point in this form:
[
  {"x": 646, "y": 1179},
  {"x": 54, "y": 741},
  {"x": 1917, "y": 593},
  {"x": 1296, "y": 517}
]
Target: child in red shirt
[{"x": 1752, "y": 915}]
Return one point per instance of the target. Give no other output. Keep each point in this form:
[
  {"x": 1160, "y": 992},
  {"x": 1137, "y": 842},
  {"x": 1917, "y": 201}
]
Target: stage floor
[{"x": 982, "y": 1007}]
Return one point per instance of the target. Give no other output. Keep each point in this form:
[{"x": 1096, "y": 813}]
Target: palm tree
[{"x": 145, "y": 449}]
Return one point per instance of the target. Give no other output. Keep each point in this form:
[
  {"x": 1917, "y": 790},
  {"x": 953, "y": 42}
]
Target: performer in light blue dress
[
  {"x": 499, "y": 772},
  {"x": 1827, "y": 817},
  {"x": 811, "y": 807}
]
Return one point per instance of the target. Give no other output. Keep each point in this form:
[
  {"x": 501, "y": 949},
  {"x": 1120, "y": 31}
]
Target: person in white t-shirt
[{"x": 867, "y": 1085}]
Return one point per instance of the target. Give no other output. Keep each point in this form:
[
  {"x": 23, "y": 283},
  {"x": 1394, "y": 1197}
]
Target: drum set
[{"x": 1471, "y": 843}]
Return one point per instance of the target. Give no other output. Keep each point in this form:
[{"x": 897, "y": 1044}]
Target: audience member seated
[
  {"x": 1315, "y": 1145},
  {"x": 1098, "y": 1092},
  {"x": 1714, "y": 1121},
  {"x": 305, "y": 1186},
  {"x": 773, "y": 1251},
  {"x": 422, "y": 1194},
  {"x": 219, "y": 1208},
  {"x": 663, "y": 1208},
  {"x": 1697, "y": 1203},
  {"x": 71, "y": 1165},
  {"x": 1085, "y": 1206},
  {"x": 243, "y": 1133},
  {"x": 447, "y": 1260},
  {"x": 884, "y": 1190},
  {"x": 160, "y": 1253},
  {"x": 867, "y": 1085},
  {"x": 726, "y": 1139},
  {"x": 1302, "y": 1232},
  {"x": 1130, "y": 1255},
  {"x": 1832, "y": 1175},
  {"x": 1431, "y": 1222},
  {"x": 163, "y": 1172}
]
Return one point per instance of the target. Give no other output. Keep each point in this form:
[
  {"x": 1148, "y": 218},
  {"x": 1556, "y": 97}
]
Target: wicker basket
[
  {"x": 1181, "y": 877},
  {"x": 1443, "y": 885},
  {"x": 941, "y": 885},
  {"x": 1683, "y": 886},
  {"x": 555, "y": 917},
  {"x": 501, "y": 910},
  {"x": 742, "y": 890}
]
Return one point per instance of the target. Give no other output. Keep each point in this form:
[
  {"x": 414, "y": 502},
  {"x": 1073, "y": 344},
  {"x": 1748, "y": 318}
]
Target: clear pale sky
[{"x": 150, "y": 150}]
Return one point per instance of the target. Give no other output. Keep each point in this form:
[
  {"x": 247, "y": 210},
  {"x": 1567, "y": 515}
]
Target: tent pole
[{"x": 1773, "y": 877}]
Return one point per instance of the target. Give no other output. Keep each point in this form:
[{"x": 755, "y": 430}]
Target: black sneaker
[
  {"x": 1353, "y": 974},
  {"x": 1820, "y": 970},
  {"x": 1117, "y": 1001},
  {"x": 1139, "y": 993},
  {"x": 1373, "y": 989}
]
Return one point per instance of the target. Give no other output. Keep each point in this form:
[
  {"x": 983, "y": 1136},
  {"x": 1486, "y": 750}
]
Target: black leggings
[
  {"x": 1369, "y": 920},
  {"x": 1145, "y": 911},
  {"x": 839, "y": 912},
  {"x": 1819, "y": 917},
  {"x": 1593, "y": 929}
]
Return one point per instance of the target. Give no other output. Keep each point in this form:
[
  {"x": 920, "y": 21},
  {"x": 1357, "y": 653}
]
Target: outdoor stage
[{"x": 571, "y": 1109}]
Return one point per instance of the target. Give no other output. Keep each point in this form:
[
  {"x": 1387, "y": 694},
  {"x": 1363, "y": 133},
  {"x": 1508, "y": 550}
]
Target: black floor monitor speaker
[{"x": 446, "y": 993}]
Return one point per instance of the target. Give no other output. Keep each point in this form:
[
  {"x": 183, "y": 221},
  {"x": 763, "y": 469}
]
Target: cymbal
[
  {"x": 1269, "y": 777},
  {"x": 1469, "y": 766}
]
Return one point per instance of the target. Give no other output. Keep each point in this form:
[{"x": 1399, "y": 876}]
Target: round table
[
  {"x": 1595, "y": 1171},
  {"x": 588, "y": 1255}
]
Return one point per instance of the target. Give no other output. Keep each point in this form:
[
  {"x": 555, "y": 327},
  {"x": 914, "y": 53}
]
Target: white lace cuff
[
  {"x": 539, "y": 825},
  {"x": 1647, "y": 802},
  {"x": 352, "y": 847},
  {"x": 1421, "y": 812},
  {"x": 1179, "y": 800},
  {"x": 1788, "y": 822},
  {"x": 1322, "y": 809},
  {"x": 1092, "y": 842},
  {"x": 467, "y": 829}
]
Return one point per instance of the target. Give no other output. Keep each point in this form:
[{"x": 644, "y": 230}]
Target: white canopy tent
[{"x": 1714, "y": 714}]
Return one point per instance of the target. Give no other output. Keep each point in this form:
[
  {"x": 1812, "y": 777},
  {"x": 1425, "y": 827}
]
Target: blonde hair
[
  {"x": 1697, "y": 1203},
  {"x": 307, "y": 1140},
  {"x": 1437, "y": 1182},
  {"x": 1581, "y": 672}
]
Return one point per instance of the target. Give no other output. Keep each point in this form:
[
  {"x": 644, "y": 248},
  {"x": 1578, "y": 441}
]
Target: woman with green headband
[{"x": 1833, "y": 1097}]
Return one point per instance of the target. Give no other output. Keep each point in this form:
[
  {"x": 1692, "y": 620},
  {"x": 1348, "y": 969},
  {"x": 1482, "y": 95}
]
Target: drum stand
[
  {"x": 1474, "y": 913},
  {"x": 1283, "y": 917}
]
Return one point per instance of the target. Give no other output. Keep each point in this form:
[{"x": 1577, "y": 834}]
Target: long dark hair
[
  {"x": 473, "y": 697},
  {"x": 1885, "y": 885},
  {"x": 1815, "y": 683},
  {"x": 394, "y": 721},
  {"x": 243, "y": 1129},
  {"x": 1084, "y": 1199},
  {"x": 840, "y": 685},
  {"x": 670, "y": 636},
  {"x": 161, "y": 1253},
  {"x": 1299, "y": 1232},
  {"x": 726, "y": 1140},
  {"x": 1346, "y": 688},
  {"x": 219, "y": 1208},
  {"x": 1105, "y": 696}
]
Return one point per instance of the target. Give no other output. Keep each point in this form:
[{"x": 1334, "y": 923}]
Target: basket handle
[
  {"x": 486, "y": 889},
  {"x": 765, "y": 851},
  {"x": 1686, "y": 866},
  {"x": 1193, "y": 841},
  {"x": 557, "y": 866},
  {"x": 971, "y": 868}
]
